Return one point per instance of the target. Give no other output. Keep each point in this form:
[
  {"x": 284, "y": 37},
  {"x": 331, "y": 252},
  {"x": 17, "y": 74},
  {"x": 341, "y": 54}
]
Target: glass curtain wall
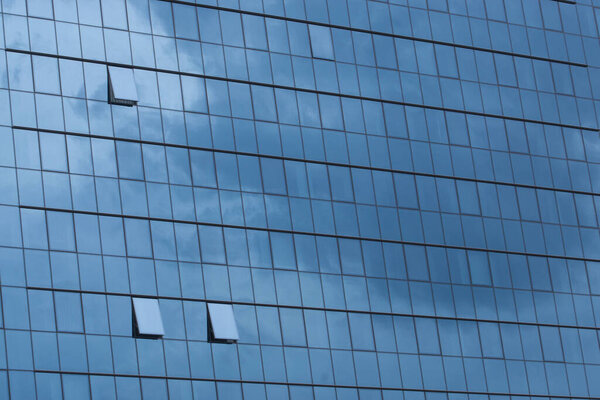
[{"x": 299, "y": 199}]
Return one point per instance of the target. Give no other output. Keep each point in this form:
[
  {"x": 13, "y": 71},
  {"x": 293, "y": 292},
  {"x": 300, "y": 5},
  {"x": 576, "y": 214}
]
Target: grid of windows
[{"x": 299, "y": 199}]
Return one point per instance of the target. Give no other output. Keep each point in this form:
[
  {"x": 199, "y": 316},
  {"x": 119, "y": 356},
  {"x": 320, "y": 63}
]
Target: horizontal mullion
[
  {"x": 392, "y": 35},
  {"x": 305, "y": 90},
  {"x": 310, "y": 308},
  {"x": 514, "y": 396},
  {"x": 309, "y": 161},
  {"x": 292, "y": 232}
]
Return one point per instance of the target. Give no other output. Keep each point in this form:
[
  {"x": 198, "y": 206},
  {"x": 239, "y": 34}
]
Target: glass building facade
[{"x": 299, "y": 199}]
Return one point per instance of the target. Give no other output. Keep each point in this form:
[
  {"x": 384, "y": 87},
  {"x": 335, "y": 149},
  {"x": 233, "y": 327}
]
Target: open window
[
  {"x": 320, "y": 42},
  {"x": 121, "y": 86},
  {"x": 222, "y": 327},
  {"x": 147, "y": 321}
]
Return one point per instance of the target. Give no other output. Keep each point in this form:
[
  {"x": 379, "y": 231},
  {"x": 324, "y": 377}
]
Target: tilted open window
[
  {"x": 222, "y": 327},
  {"x": 121, "y": 86},
  {"x": 147, "y": 321},
  {"x": 320, "y": 42}
]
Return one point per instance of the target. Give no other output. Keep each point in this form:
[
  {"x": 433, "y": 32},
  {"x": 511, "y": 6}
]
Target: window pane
[
  {"x": 147, "y": 317},
  {"x": 222, "y": 322}
]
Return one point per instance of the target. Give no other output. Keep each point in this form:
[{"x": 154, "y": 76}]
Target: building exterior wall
[{"x": 400, "y": 199}]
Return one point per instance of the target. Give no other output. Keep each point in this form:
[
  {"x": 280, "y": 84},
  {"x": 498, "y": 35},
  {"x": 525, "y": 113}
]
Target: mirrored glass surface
[
  {"x": 222, "y": 322},
  {"x": 122, "y": 87},
  {"x": 148, "y": 319}
]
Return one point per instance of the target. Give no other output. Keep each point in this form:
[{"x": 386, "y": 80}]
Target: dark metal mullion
[
  {"x": 308, "y": 161},
  {"x": 565, "y": 1},
  {"x": 285, "y": 231},
  {"x": 312, "y": 308},
  {"x": 292, "y": 232},
  {"x": 361, "y": 30},
  {"x": 287, "y": 384},
  {"x": 314, "y": 91}
]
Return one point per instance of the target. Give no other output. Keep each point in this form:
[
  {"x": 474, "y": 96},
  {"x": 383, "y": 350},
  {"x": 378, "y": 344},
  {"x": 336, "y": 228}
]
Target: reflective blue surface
[{"x": 401, "y": 199}]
